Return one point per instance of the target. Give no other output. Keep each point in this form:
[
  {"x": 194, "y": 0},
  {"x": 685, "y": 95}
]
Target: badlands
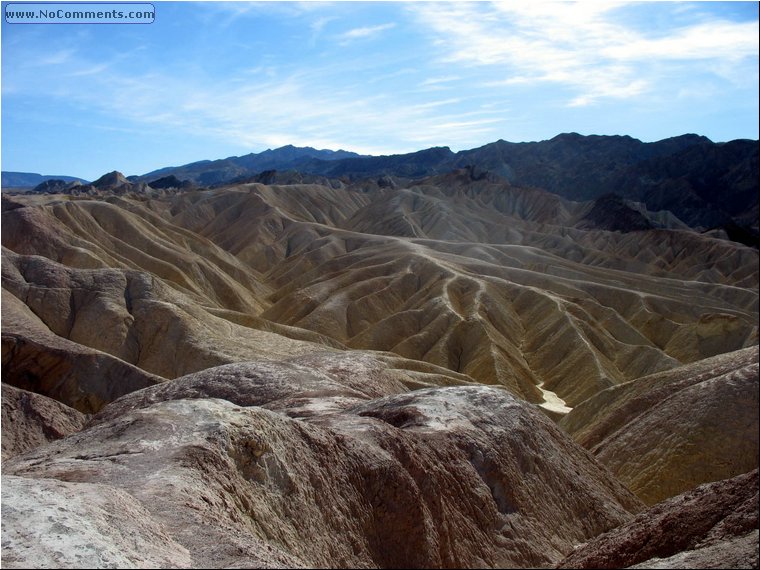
[{"x": 299, "y": 370}]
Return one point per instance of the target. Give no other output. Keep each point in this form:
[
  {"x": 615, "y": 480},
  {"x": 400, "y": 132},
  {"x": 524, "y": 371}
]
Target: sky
[{"x": 208, "y": 80}]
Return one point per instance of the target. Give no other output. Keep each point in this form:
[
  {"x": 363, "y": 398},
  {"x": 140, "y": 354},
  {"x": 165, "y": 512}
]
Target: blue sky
[{"x": 210, "y": 80}]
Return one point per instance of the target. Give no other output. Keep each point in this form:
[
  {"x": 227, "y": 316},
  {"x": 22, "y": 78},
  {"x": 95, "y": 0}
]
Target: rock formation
[
  {"x": 299, "y": 370},
  {"x": 35, "y": 358},
  {"x": 666, "y": 433},
  {"x": 30, "y": 420},
  {"x": 459, "y": 476},
  {"x": 712, "y": 526}
]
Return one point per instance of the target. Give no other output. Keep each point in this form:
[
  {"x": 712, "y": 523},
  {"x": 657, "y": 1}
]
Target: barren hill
[
  {"x": 266, "y": 367},
  {"x": 665, "y": 433},
  {"x": 436, "y": 477},
  {"x": 717, "y": 527}
]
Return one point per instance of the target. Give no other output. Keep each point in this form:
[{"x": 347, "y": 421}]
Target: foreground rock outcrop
[
  {"x": 30, "y": 420},
  {"x": 713, "y": 526},
  {"x": 81, "y": 525},
  {"x": 442, "y": 477}
]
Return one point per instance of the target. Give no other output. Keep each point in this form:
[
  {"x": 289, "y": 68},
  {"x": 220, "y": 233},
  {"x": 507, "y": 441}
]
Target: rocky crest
[
  {"x": 30, "y": 420},
  {"x": 437, "y": 477},
  {"x": 712, "y": 526}
]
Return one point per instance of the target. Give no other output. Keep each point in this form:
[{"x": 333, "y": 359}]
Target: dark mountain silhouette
[
  {"x": 206, "y": 172},
  {"x": 426, "y": 162},
  {"x": 707, "y": 185},
  {"x": 170, "y": 181},
  {"x": 610, "y": 212},
  {"x": 572, "y": 165}
]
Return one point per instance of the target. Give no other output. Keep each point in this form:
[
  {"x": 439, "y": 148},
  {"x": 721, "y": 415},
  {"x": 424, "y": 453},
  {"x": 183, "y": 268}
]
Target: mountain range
[
  {"x": 30, "y": 179},
  {"x": 289, "y": 157},
  {"x": 420, "y": 360},
  {"x": 704, "y": 184}
]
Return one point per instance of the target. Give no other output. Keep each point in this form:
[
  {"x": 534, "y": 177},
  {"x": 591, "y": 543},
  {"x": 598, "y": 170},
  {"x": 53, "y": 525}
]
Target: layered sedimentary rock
[
  {"x": 35, "y": 358},
  {"x": 461, "y": 272},
  {"x": 136, "y": 318},
  {"x": 712, "y": 526},
  {"x": 666, "y": 433}
]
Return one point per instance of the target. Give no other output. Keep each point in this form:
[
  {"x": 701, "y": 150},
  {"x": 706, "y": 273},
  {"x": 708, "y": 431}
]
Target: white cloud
[
  {"x": 318, "y": 25},
  {"x": 301, "y": 109},
  {"x": 364, "y": 32},
  {"x": 92, "y": 70},
  {"x": 225, "y": 14},
  {"x": 580, "y": 46},
  {"x": 717, "y": 40},
  {"x": 59, "y": 57},
  {"x": 617, "y": 91},
  {"x": 439, "y": 80},
  {"x": 438, "y": 84}
]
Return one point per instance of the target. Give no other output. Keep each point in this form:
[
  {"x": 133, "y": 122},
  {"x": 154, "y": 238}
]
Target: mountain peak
[{"x": 110, "y": 180}]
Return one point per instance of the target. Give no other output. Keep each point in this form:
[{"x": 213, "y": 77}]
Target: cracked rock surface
[{"x": 458, "y": 476}]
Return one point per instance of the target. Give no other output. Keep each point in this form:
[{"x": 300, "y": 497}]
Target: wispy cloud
[
  {"x": 225, "y": 14},
  {"x": 439, "y": 80},
  {"x": 56, "y": 58},
  {"x": 440, "y": 83},
  {"x": 713, "y": 41},
  {"x": 92, "y": 70},
  {"x": 364, "y": 32},
  {"x": 318, "y": 25},
  {"x": 623, "y": 91},
  {"x": 581, "y": 46},
  {"x": 298, "y": 109}
]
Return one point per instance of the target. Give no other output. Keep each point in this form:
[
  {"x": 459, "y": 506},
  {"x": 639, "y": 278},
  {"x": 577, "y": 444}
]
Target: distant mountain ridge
[
  {"x": 289, "y": 157},
  {"x": 524, "y": 163},
  {"x": 703, "y": 183},
  {"x": 12, "y": 179}
]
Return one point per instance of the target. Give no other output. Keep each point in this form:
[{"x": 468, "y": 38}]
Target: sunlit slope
[
  {"x": 576, "y": 329},
  {"x": 500, "y": 290},
  {"x": 122, "y": 233},
  {"x": 499, "y": 284},
  {"x": 666, "y": 433},
  {"x": 138, "y": 318}
]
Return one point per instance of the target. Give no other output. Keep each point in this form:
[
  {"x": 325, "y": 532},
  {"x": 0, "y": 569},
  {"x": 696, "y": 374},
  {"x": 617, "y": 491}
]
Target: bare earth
[{"x": 448, "y": 373}]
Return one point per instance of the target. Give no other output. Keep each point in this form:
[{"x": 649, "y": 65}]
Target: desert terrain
[{"x": 431, "y": 360}]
